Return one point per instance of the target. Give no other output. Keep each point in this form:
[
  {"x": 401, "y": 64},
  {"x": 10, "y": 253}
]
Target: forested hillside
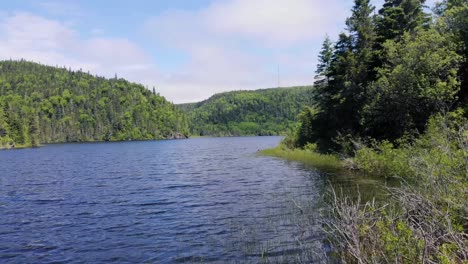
[
  {"x": 239, "y": 113},
  {"x": 42, "y": 104}
]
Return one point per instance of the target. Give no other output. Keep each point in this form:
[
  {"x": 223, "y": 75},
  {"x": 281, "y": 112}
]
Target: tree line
[
  {"x": 254, "y": 113},
  {"x": 43, "y": 104},
  {"x": 387, "y": 73}
]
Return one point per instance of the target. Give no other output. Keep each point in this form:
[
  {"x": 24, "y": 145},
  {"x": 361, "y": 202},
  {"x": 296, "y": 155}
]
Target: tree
[
  {"x": 399, "y": 16},
  {"x": 419, "y": 79},
  {"x": 325, "y": 59},
  {"x": 306, "y": 128},
  {"x": 339, "y": 103},
  {"x": 454, "y": 23}
]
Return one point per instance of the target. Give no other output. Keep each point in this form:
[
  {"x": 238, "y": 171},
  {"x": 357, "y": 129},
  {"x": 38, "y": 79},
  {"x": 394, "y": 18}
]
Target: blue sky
[{"x": 187, "y": 49}]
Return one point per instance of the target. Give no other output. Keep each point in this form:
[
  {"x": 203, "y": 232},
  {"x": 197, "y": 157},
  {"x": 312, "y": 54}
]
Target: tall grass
[{"x": 324, "y": 162}]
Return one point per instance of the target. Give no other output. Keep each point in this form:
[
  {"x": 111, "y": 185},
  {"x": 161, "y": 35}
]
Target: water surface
[{"x": 205, "y": 199}]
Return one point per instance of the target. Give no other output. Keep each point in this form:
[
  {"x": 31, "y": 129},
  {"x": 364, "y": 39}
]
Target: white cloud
[
  {"x": 237, "y": 44},
  {"x": 275, "y": 21},
  {"x": 51, "y": 42},
  {"x": 272, "y": 22},
  {"x": 28, "y": 32}
]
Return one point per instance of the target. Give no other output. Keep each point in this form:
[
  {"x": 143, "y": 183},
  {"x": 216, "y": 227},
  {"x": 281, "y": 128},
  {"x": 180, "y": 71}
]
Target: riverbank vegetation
[
  {"x": 391, "y": 100},
  {"x": 425, "y": 219},
  {"x": 42, "y": 104},
  {"x": 248, "y": 113},
  {"x": 324, "y": 162}
]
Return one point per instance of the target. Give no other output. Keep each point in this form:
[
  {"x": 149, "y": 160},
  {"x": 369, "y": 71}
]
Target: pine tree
[
  {"x": 398, "y": 16},
  {"x": 349, "y": 70},
  {"x": 360, "y": 25},
  {"x": 325, "y": 59}
]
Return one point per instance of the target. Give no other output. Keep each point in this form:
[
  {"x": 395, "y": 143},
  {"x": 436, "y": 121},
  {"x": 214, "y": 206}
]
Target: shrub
[{"x": 384, "y": 160}]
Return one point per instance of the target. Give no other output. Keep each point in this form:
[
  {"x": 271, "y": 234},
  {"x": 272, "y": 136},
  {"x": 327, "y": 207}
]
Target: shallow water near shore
[{"x": 203, "y": 199}]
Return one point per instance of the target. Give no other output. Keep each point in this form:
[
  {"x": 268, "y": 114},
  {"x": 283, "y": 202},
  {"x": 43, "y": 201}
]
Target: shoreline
[
  {"x": 324, "y": 162},
  {"x": 87, "y": 142}
]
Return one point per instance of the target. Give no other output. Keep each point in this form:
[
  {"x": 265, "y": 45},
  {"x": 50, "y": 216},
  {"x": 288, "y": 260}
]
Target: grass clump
[{"x": 325, "y": 162}]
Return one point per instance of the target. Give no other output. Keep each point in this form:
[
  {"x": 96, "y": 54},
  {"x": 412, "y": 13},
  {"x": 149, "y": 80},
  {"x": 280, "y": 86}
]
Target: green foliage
[
  {"x": 325, "y": 59},
  {"x": 291, "y": 138},
  {"x": 384, "y": 160},
  {"x": 399, "y": 242},
  {"x": 248, "y": 113},
  {"x": 400, "y": 16},
  {"x": 339, "y": 101},
  {"x": 439, "y": 152},
  {"x": 418, "y": 80},
  {"x": 42, "y": 104},
  {"x": 387, "y": 75},
  {"x": 306, "y": 129},
  {"x": 454, "y": 23},
  {"x": 396, "y": 82},
  {"x": 425, "y": 219}
]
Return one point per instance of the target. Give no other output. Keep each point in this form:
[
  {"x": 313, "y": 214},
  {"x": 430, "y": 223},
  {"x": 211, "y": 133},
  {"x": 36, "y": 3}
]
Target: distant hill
[
  {"x": 43, "y": 104},
  {"x": 261, "y": 112}
]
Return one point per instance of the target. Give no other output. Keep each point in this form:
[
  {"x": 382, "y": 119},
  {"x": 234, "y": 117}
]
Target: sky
[{"x": 187, "y": 49}]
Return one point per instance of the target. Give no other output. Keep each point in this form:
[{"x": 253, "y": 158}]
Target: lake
[{"x": 174, "y": 201}]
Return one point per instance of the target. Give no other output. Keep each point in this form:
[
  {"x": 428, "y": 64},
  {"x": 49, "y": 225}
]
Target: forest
[
  {"x": 391, "y": 101},
  {"x": 388, "y": 73},
  {"x": 248, "y": 113},
  {"x": 42, "y": 104}
]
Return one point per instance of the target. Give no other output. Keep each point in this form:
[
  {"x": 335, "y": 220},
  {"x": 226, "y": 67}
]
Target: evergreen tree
[
  {"x": 399, "y": 16},
  {"x": 325, "y": 59},
  {"x": 340, "y": 102},
  {"x": 328, "y": 98}
]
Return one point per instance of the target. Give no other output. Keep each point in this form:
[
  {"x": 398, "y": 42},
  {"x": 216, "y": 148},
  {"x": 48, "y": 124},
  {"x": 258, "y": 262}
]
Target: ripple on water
[{"x": 198, "y": 200}]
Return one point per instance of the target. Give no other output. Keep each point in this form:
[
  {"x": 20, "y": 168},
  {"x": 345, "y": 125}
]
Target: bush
[
  {"x": 291, "y": 139},
  {"x": 6, "y": 142},
  {"x": 384, "y": 160}
]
